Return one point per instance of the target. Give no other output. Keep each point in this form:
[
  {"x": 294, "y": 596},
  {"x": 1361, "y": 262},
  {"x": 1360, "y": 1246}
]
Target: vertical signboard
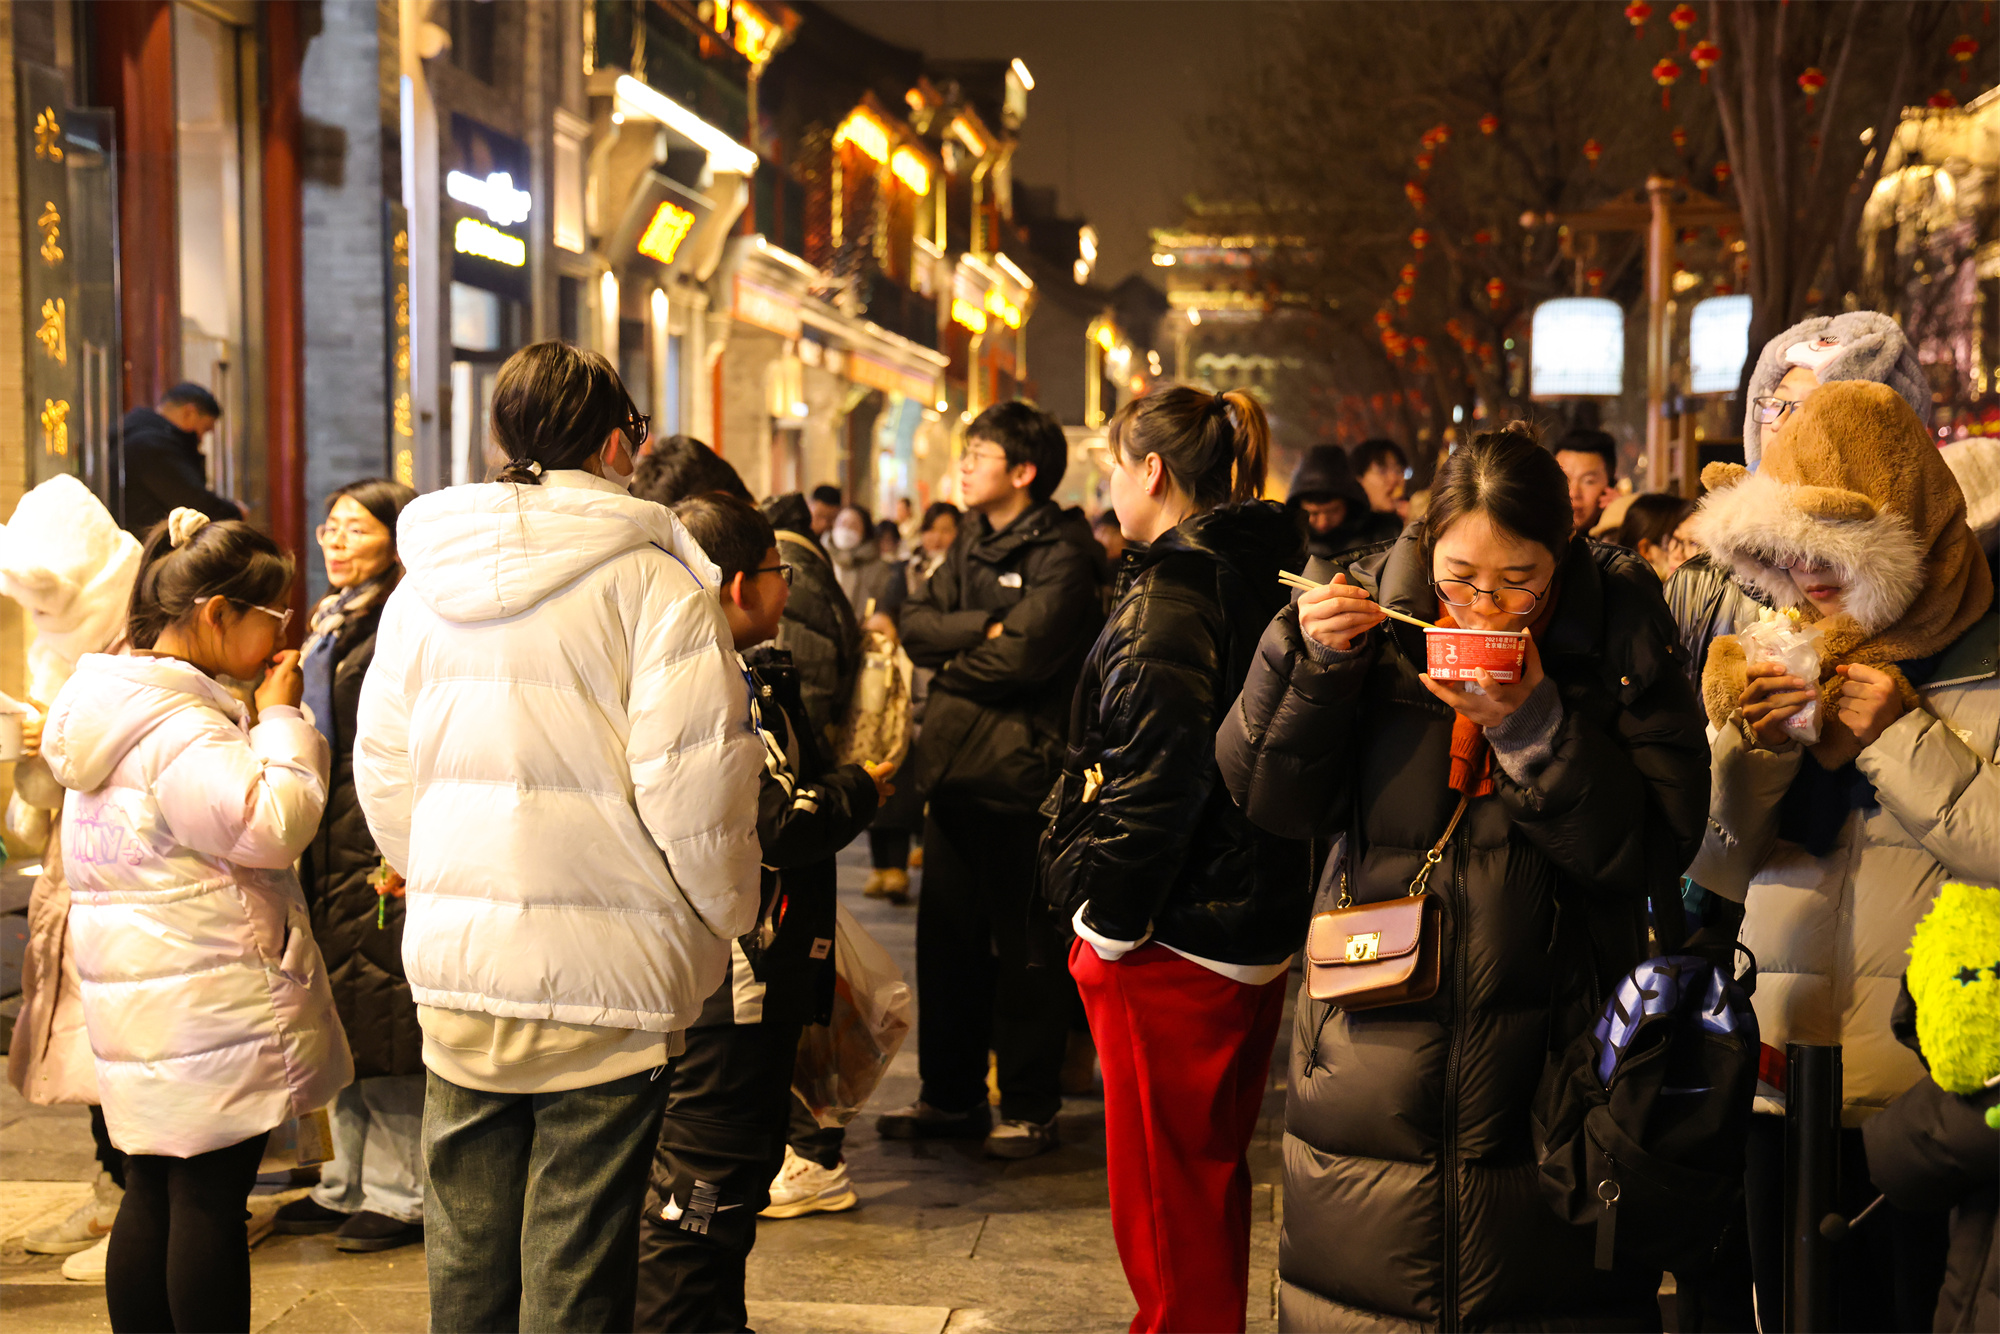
[
  {"x": 402, "y": 427},
  {"x": 53, "y": 426}
]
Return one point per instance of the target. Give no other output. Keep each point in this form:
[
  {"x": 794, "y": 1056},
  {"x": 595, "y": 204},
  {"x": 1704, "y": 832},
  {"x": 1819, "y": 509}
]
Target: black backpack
[{"x": 1639, "y": 1124}]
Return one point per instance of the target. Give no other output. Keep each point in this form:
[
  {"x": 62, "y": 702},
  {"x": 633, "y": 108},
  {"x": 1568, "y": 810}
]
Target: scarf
[
  {"x": 318, "y": 659},
  {"x": 1471, "y": 755}
]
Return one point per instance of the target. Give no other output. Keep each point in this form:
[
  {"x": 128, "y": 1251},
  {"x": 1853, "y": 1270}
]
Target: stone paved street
[{"x": 944, "y": 1240}]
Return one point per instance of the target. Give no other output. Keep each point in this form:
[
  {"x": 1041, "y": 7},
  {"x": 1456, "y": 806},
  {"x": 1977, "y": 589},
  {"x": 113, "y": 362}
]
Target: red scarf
[{"x": 1471, "y": 756}]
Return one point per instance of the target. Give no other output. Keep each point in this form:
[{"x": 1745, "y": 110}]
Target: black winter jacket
[
  {"x": 1162, "y": 845},
  {"x": 807, "y": 811},
  {"x": 994, "y": 725},
  {"x": 164, "y": 471},
  {"x": 1930, "y": 1149},
  {"x": 1706, "y": 602},
  {"x": 1410, "y": 1185},
  {"x": 819, "y": 629},
  {"x": 364, "y": 962}
]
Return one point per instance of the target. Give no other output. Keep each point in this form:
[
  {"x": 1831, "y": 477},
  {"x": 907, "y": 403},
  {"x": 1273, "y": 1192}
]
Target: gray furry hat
[{"x": 1858, "y": 345}]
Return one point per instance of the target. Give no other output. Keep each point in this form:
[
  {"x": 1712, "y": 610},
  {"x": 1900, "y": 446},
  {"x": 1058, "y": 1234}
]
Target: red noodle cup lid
[{"x": 1458, "y": 655}]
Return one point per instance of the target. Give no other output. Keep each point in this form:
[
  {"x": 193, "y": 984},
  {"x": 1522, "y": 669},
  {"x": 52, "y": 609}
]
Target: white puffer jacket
[
  {"x": 554, "y": 747},
  {"x": 206, "y": 1002}
]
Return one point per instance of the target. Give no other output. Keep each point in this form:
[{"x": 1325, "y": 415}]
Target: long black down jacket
[
  {"x": 998, "y": 708},
  {"x": 818, "y": 629},
  {"x": 363, "y": 962},
  {"x": 1161, "y": 845},
  {"x": 1411, "y": 1198}
]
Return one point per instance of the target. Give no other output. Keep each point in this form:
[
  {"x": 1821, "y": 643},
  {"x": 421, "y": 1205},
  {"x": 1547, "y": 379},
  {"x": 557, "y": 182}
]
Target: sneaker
[
  {"x": 920, "y": 1120},
  {"x": 305, "y": 1217},
  {"x": 88, "y": 1266},
  {"x": 370, "y": 1231},
  {"x": 1021, "y": 1139},
  {"x": 888, "y": 882},
  {"x": 87, "y": 1225},
  {"x": 804, "y": 1187}
]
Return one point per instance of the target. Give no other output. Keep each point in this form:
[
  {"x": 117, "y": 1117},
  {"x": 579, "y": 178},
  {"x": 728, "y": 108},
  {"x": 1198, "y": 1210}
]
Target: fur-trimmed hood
[
  {"x": 1856, "y": 345},
  {"x": 1853, "y": 484}
]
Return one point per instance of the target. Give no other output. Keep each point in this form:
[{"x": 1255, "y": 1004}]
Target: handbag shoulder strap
[{"x": 1436, "y": 854}]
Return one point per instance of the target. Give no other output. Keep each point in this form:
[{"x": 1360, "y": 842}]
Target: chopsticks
[{"x": 1290, "y": 580}]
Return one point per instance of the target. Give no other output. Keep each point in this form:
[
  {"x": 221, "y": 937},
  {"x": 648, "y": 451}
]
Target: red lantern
[
  {"x": 1440, "y": 133},
  {"x": 1705, "y": 54},
  {"x": 1410, "y": 274},
  {"x": 1376, "y": 402},
  {"x": 1665, "y": 70},
  {"x": 1721, "y": 172},
  {"x": 1496, "y": 292},
  {"x": 1636, "y": 14},
  {"x": 1941, "y": 100},
  {"x": 1682, "y": 16},
  {"x": 1810, "y": 83},
  {"x": 1416, "y": 195},
  {"x": 1963, "y": 49},
  {"x": 1403, "y": 293},
  {"x": 1689, "y": 235},
  {"x": 1419, "y": 239},
  {"x": 1423, "y": 162},
  {"x": 1594, "y": 277},
  {"x": 1679, "y": 137},
  {"x": 1486, "y": 351},
  {"x": 1489, "y": 124},
  {"x": 1420, "y": 343},
  {"x": 1592, "y": 150},
  {"x": 1482, "y": 237}
]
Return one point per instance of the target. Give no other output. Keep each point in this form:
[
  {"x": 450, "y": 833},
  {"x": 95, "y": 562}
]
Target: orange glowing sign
[{"x": 664, "y": 234}]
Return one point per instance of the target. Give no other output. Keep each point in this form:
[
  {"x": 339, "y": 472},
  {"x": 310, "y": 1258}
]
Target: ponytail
[
  {"x": 553, "y": 406},
  {"x": 1216, "y": 447},
  {"x": 186, "y": 561}
]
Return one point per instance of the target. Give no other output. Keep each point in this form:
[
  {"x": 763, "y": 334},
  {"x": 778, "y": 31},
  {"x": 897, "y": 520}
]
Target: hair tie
[
  {"x": 534, "y": 467},
  {"x": 1219, "y": 405},
  {"x": 183, "y": 524}
]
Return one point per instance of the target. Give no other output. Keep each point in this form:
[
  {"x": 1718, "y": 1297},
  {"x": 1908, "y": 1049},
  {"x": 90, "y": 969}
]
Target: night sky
[{"x": 1117, "y": 85}]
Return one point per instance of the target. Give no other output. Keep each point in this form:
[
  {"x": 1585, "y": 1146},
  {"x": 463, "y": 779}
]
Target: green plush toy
[{"x": 1955, "y": 979}]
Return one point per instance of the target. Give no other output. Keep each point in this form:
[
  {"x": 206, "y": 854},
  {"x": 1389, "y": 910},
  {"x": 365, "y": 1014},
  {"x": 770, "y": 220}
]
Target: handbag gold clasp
[
  {"x": 1365, "y": 947},
  {"x": 1431, "y": 858}
]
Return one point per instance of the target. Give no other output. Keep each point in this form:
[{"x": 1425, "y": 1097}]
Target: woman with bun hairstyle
[
  {"x": 1186, "y": 916},
  {"x": 206, "y": 1002},
  {"x": 554, "y": 749},
  {"x": 1557, "y": 806},
  {"x": 371, "y": 1195}
]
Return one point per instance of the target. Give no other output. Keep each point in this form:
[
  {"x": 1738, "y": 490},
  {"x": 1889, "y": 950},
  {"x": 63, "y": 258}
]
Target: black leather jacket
[
  {"x": 993, "y": 725},
  {"x": 1161, "y": 844}
]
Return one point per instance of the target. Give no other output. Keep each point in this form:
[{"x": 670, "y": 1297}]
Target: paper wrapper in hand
[
  {"x": 1777, "y": 637},
  {"x": 840, "y": 1063}
]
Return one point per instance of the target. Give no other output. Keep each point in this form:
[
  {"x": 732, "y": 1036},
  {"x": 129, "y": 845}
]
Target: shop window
[
  {"x": 566, "y": 215},
  {"x": 478, "y": 322}
]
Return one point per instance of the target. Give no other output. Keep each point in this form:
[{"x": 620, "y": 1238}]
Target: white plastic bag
[
  {"x": 840, "y": 1063},
  {"x": 1781, "y": 638}
]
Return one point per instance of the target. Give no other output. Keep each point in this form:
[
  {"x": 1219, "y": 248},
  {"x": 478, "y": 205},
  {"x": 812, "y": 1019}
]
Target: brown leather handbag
[{"x": 1362, "y": 956}]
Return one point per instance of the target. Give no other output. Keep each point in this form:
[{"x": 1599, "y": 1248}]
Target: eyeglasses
[
  {"x": 1769, "y": 409},
  {"x": 353, "y": 532},
  {"x": 638, "y": 429},
  {"x": 972, "y": 458},
  {"x": 783, "y": 570},
  {"x": 1509, "y": 599},
  {"x": 283, "y": 618},
  {"x": 1682, "y": 546}
]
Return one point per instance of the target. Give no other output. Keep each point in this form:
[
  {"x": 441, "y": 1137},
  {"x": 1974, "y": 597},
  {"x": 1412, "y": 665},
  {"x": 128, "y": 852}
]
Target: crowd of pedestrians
[{"x": 510, "y": 898}]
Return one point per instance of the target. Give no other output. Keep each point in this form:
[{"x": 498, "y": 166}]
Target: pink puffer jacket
[{"x": 206, "y": 1001}]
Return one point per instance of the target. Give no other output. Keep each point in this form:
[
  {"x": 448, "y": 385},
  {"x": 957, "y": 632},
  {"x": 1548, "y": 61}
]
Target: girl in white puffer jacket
[{"x": 207, "y": 1006}]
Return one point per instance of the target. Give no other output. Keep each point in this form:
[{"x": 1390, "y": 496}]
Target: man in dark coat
[
  {"x": 1005, "y": 621},
  {"x": 1332, "y": 506},
  {"x": 164, "y": 470}
]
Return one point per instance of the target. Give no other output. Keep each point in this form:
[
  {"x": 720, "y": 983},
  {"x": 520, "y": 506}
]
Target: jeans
[
  {"x": 378, "y": 1159},
  {"x": 180, "y": 1253},
  {"x": 975, "y": 988},
  {"x": 531, "y": 1215},
  {"x": 721, "y": 1142}
]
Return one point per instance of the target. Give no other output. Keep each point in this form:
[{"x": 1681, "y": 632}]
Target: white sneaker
[
  {"x": 88, "y": 1266},
  {"x": 804, "y": 1187},
  {"x": 89, "y": 1224}
]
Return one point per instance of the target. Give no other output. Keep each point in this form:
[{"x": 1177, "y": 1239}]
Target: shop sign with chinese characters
[
  {"x": 48, "y": 281},
  {"x": 402, "y": 426}
]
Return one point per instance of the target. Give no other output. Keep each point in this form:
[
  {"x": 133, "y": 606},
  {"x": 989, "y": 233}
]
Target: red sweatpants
[{"x": 1186, "y": 1054}]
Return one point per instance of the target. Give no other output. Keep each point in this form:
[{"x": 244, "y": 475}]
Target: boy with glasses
[{"x": 1005, "y": 621}]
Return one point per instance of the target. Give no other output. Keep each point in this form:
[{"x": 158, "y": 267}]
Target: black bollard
[{"x": 1812, "y": 1180}]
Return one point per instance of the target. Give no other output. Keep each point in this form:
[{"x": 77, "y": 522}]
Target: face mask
[
  {"x": 846, "y": 538},
  {"x": 611, "y": 474}
]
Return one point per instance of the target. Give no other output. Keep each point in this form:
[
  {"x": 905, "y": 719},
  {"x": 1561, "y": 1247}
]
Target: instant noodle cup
[{"x": 1459, "y": 655}]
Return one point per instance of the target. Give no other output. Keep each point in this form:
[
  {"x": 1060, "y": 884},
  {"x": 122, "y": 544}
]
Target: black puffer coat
[
  {"x": 1161, "y": 845},
  {"x": 819, "y": 629},
  {"x": 1411, "y": 1195},
  {"x": 1706, "y": 603},
  {"x": 998, "y": 709},
  {"x": 363, "y": 962}
]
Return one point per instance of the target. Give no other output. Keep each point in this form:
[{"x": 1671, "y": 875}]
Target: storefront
[{"x": 487, "y": 211}]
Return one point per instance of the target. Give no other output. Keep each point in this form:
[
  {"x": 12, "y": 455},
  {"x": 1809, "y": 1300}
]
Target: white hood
[
  {"x": 71, "y": 567},
  {"x": 488, "y": 551},
  {"x": 112, "y": 703}
]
